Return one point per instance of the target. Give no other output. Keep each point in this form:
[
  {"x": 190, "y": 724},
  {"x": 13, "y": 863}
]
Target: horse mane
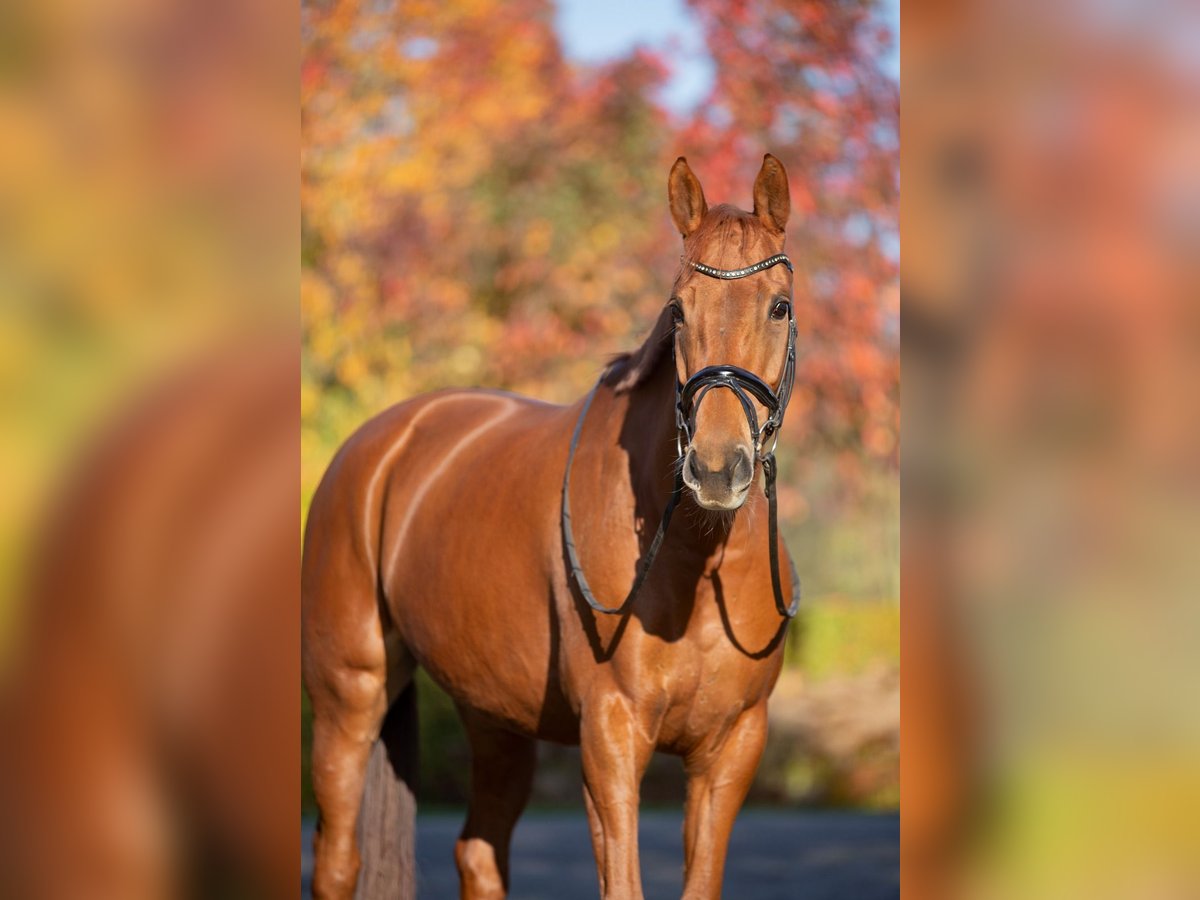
[
  {"x": 625, "y": 371},
  {"x": 720, "y": 226}
]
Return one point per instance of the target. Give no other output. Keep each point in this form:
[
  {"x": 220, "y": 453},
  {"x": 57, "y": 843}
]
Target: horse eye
[
  {"x": 781, "y": 309},
  {"x": 676, "y": 314}
]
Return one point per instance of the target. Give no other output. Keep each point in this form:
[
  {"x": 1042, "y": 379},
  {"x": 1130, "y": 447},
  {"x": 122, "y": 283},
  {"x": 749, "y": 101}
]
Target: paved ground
[{"x": 774, "y": 855}]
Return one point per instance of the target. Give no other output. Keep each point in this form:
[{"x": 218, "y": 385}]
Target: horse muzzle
[{"x": 720, "y": 483}]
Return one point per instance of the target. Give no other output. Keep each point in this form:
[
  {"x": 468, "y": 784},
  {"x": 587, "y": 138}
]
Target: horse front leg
[
  {"x": 719, "y": 776},
  {"x": 615, "y": 752}
]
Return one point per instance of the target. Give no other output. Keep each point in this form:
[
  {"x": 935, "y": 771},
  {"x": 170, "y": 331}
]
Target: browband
[{"x": 742, "y": 273}]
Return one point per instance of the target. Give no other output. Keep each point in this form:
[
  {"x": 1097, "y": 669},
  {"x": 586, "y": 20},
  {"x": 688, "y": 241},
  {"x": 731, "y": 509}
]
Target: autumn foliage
[{"x": 478, "y": 210}]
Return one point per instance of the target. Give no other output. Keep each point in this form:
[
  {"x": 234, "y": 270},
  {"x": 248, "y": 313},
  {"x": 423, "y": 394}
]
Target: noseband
[{"x": 688, "y": 397}]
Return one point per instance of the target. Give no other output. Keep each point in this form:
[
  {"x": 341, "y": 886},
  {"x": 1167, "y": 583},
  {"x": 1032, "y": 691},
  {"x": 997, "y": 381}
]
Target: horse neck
[{"x": 648, "y": 437}]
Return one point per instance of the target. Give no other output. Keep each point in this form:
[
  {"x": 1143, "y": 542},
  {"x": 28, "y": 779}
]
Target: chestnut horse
[{"x": 444, "y": 535}]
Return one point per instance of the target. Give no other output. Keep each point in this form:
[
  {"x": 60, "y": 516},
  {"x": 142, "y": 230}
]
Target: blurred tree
[{"x": 473, "y": 210}]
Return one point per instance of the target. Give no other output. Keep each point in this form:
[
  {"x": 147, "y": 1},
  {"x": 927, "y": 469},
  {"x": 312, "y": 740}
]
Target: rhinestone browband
[{"x": 742, "y": 273}]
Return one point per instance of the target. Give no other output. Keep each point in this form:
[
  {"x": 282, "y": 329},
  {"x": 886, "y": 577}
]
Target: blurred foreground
[
  {"x": 149, "y": 702},
  {"x": 149, "y": 456},
  {"x": 1051, "y": 221}
]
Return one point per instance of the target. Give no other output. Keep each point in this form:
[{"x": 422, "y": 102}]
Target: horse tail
[{"x": 387, "y": 822}]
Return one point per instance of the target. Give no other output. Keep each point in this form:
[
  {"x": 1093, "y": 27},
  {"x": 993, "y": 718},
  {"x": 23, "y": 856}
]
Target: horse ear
[
  {"x": 686, "y": 198},
  {"x": 772, "y": 202}
]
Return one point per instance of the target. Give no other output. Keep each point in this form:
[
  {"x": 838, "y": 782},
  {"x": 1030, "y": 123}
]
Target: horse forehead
[
  {"x": 732, "y": 230},
  {"x": 725, "y": 330},
  {"x": 727, "y": 301},
  {"x": 730, "y": 298}
]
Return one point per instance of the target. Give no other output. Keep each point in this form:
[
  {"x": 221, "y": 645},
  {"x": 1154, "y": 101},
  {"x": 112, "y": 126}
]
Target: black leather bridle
[{"x": 688, "y": 397}]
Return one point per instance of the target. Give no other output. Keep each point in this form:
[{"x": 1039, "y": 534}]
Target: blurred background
[
  {"x": 1051, "y": 279},
  {"x": 483, "y": 203},
  {"x": 149, "y": 455}
]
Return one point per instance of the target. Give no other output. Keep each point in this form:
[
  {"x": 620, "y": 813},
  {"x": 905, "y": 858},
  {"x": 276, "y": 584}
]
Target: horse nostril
[
  {"x": 743, "y": 469},
  {"x": 732, "y": 474}
]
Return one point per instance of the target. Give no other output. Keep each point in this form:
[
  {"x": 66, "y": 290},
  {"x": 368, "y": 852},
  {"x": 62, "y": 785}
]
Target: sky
[{"x": 594, "y": 32}]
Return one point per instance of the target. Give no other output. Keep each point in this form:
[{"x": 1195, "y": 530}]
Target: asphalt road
[{"x": 773, "y": 855}]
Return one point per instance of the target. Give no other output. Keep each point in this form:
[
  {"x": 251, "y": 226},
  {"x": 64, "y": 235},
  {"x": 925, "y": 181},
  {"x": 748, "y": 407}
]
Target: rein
[{"x": 688, "y": 397}]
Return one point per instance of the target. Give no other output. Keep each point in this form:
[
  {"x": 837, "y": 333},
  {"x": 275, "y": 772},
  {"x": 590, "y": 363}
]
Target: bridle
[{"x": 688, "y": 397}]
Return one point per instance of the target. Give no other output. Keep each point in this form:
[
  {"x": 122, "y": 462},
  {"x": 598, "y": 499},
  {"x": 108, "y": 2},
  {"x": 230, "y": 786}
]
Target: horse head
[{"x": 734, "y": 333}]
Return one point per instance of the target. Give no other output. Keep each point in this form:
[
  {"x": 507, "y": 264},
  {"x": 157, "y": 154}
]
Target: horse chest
[{"x": 690, "y": 691}]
